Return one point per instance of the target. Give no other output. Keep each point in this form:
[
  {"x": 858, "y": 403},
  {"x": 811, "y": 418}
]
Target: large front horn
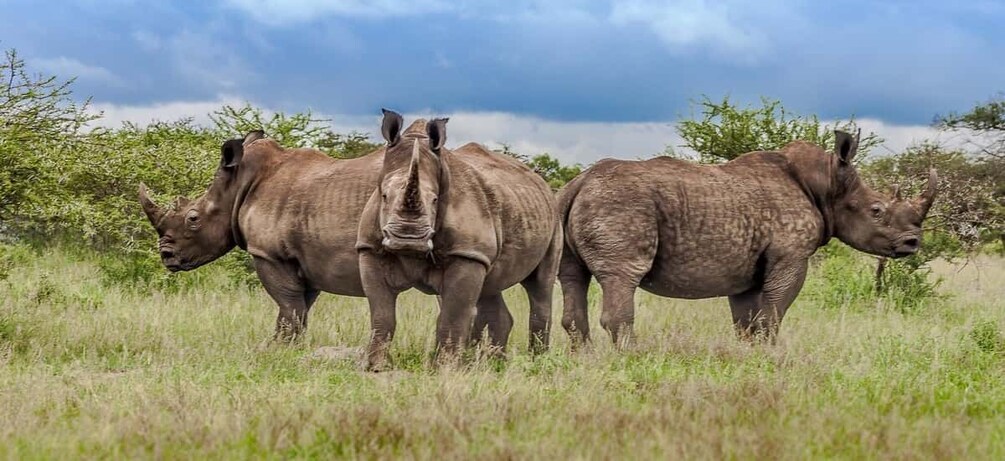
[
  {"x": 412, "y": 199},
  {"x": 154, "y": 212},
  {"x": 928, "y": 195}
]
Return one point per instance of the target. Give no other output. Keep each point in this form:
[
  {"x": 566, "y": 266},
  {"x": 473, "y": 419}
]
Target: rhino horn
[
  {"x": 928, "y": 195},
  {"x": 153, "y": 212},
  {"x": 412, "y": 201},
  {"x": 896, "y": 192}
]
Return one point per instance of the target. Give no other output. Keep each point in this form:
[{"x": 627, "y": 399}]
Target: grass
[{"x": 97, "y": 370}]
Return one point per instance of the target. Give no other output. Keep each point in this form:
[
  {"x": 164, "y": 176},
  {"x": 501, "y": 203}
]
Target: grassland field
[{"x": 97, "y": 370}]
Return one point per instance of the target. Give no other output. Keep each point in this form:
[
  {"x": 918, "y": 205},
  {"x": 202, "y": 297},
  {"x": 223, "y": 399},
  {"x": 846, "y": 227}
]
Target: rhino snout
[
  {"x": 906, "y": 246},
  {"x": 408, "y": 238}
]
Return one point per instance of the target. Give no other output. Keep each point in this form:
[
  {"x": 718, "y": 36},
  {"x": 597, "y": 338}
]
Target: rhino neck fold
[
  {"x": 243, "y": 189},
  {"x": 817, "y": 182}
]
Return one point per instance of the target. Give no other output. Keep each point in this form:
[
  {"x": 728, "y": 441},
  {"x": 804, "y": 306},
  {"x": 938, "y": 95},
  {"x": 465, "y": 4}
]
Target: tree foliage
[
  {"x": 548, "y": 167},
  {"x": 553, "y": 172},
  {"x": 724, "y": 130},
  {"x": 40, "y": 125},
  {"x": 986, "y": 119}
]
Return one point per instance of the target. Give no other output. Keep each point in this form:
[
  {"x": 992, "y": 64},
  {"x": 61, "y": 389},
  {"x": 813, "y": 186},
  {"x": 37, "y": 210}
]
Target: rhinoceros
[
  {"x": 464, "y": 224},
  {"x": 296, "y": 211},
  {"x": 744, "y": 229}
]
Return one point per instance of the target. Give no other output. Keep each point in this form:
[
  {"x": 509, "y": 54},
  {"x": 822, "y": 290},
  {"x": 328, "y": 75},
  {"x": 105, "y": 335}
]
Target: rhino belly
[
  {"x": 515, "y": 263},
  {"x": 697, "y": 278}
]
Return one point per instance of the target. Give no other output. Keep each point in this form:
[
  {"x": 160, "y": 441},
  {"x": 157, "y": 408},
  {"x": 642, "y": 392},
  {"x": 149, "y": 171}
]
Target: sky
[{"x": 581, "y": 80}]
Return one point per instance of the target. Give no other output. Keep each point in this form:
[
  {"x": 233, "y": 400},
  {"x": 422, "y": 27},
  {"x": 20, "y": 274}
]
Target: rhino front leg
[
  {"x": 290, "y": 293},
  {"x": 782, "y": 282},
  {"x": 383, "y": 306},
  {"x": 744, "y": 307},
  {"x": 462, "y": 286}
]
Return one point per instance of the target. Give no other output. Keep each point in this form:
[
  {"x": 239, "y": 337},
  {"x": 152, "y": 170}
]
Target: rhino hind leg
[
  {"x": 575, "y": 279},
  {"x": 618, "y": 313},
  {"x": 492, "y": 314},
  {"x": 540, "y": 287},
  {"x": 293, "y": 297}
]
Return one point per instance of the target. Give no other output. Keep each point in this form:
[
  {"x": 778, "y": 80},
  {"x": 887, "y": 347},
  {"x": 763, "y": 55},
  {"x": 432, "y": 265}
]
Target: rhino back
[
  {"x": 688, "y": 230},
  {"x": 518, "y": 205},
  {"x": 305, "y": 209}
]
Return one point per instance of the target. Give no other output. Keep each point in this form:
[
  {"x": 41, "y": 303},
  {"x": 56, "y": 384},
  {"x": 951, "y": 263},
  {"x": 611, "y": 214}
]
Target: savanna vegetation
[{"x": 103, "y": 354}]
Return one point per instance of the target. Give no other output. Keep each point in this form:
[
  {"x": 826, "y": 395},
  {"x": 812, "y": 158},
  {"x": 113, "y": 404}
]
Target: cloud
[
  {"x": 723, "y": 27},
  {"x": 114, "y": 115},
  {"x": 205, "y": 60},
  {"x": 69, "y": 67},
  {"x": 571, "y": 142},
  {"x": 899, "y": 137},
  {"x": 285, "y": 12}
]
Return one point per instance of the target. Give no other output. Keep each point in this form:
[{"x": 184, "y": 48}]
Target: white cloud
[
  {"x": 899, "y": 137},
  {"x": 70, "y": 67},
  {"x": 115, "y": 114},
  {"x": 581, "y": 142},
  {"x": 147, "y": 41},
  {"x": 724, "y": 27},
  {"x": 282, "y": 12},
  {"x": 205, "y": 60},
  {"x": 571, "y": 142}
]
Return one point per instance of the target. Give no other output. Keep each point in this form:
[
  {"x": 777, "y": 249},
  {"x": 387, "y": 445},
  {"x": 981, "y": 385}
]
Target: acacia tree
[
  {"x": 39, "y": 122},
  {"x": 985, "y": 123},
  {"x": 723, "y": 130},
  {"x": 546, "y": 166}
]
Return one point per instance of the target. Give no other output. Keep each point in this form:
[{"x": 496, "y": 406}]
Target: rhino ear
[
  {"x": 845, "y": 146},
  {"x": 253, "y": 136},
  {"x": 391, "y": 126},
  {"x": 231, "y": 153},
  {"x": 437, "y": 132}
]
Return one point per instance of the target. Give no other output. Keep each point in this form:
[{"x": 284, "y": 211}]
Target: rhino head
[
  {"x": 411, "y": 183},
  {"x": 883, "y": 225},
  {"x": 196, "y": 232}
]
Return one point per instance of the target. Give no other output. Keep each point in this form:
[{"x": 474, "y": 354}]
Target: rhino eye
[
  {"x": 192, "y": 218},
  {"x": 876, "y": 209}
]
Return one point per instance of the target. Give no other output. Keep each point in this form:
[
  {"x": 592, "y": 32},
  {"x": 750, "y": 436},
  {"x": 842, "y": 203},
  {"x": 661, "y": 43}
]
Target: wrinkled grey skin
[
  {"x": 744, "y": 229},
  {"x": 464, "y": 224},
  {"x": 296, "y": 211}
]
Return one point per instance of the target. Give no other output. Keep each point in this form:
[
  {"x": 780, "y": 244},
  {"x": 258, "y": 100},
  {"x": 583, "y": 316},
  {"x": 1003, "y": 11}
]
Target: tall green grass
[{"x": 93, "y": 368}]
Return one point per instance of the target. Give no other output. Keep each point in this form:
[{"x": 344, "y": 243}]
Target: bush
[
  {"x": 839, "y": 277},
  {"x": 842, "y": 276}
]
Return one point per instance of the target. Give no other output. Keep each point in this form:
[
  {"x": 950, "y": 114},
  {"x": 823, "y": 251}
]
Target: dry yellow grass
[{"x": 93, "y": 371}]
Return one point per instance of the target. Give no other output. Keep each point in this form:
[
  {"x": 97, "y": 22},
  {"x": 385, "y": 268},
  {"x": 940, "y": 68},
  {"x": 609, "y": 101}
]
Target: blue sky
[{"x": 552, "y": 65}]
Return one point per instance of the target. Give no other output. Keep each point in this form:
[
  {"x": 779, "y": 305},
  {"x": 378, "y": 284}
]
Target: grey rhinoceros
[
  {"x": 744, "y": 229},
  {"x": 296, "y": 211},
  {"x": 464, "y": 224}
]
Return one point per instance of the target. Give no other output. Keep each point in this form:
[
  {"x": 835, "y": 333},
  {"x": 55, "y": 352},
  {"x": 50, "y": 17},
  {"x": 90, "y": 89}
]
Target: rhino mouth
[
  {"x": 906, "y": 247},
  {"x": 397, "y": 241}
]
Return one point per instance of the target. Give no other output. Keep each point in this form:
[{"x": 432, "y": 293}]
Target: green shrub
[
  {"x": 908, "y": 284},
  {"x": 839, "y": 277},
  {"x": 987, "y": 336}
]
